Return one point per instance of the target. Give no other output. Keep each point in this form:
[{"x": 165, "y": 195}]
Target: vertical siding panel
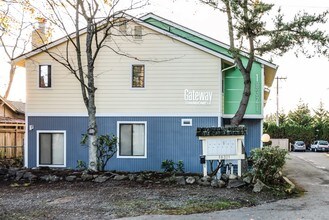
[{"x": 166, "y": 139}]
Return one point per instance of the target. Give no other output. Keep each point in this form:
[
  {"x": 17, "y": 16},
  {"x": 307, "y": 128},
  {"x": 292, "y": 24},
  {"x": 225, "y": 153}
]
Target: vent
[{"x": 186, "y": 122}]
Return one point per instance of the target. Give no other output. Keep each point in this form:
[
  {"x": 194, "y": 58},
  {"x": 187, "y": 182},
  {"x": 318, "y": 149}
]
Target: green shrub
[
  {"x": 170, "y": 166},
  {"x": 267, "y": 163}
]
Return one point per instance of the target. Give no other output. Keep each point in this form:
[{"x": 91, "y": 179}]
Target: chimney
[{"x": 39, "y": 36}]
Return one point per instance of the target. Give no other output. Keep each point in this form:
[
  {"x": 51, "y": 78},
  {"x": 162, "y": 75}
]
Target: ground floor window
[
  {"x": 51, "y": 148},
  {"x": 132, "y": 139}
]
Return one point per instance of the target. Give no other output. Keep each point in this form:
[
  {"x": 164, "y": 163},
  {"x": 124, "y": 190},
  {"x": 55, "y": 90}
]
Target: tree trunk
[
  {"x": 92, "y": 134},
  {"x": 238, "y": 117},
  {"x": 11, "y": 78}
]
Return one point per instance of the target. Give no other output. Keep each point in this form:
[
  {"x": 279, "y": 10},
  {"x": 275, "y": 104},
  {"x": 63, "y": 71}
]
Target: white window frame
[
  {"x": 118, "y": 135},
  {"x": 38, "y": 147},
  {"x": 51, "y": 76},
  {"x": 131, "y": 76}
]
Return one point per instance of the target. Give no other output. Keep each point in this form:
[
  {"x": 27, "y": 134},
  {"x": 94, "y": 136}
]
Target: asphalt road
[{"x": 310, "y": 170}]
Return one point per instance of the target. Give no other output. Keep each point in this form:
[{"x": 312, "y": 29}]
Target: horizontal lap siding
[
  {"x": 166, "y": 139},
  {"x": 170, "y": 68}
]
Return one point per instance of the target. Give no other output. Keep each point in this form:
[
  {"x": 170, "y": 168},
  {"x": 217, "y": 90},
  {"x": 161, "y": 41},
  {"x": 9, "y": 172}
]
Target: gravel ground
[{"x": 115, "y": 199}]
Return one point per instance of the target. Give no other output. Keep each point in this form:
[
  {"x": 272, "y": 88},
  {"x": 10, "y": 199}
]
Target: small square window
[
  {"x": 45, "y": 76},
  {"x": 138, "y": 76},
  {"x": 138, "y": 32}
]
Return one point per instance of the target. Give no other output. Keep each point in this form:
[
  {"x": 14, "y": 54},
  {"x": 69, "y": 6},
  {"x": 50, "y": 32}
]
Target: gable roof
[{"x": 17, "y": 107}]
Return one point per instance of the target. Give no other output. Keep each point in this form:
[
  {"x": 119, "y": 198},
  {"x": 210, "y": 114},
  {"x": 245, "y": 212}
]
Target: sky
[{"x": 307, "y": 79}]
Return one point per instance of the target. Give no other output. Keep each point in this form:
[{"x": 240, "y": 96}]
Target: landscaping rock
[
  {"x": 190, "y": 180},
  {"x": 221, "y": 184},
  {"x": 214, "y": 183},
  {"x": 235, "y": 183},
  {"x": 224, "y": 177},
  {"x": 86, "y": 177},
  {"x": 132, "y": 177},
  {"x": 140, "y": 179},
  {"x": 101, "y": 179},
  {"x": 258, "y": 187},
  {"x": 50, "y": 178},
  {"x": 206, "y": 179},
  {"x": 70, "y": 178},
  {"x": 19, "y": 174},
  {"x": 120, "y": 177},
  {"x": 247, "y": 179},
  {"x": 30, "y": 176},
  {"x": 3, "y": 171},
  {"x": 180, "y": 180},
  {"x": 232, "y": 177},
  {"x": 171, "y": 179},
  {"x": 12, "y": 172}
]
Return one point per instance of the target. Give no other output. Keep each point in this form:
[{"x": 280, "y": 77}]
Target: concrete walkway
[{"x": 313, "y": 205}]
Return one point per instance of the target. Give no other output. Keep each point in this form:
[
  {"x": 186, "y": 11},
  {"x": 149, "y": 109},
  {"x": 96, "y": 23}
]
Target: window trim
[
  {"x": 145, "y": 141},
  {"x": 131, "y": 76},
  {"x": 38, "y": 147},
  {"x": 50, "y": 76}
]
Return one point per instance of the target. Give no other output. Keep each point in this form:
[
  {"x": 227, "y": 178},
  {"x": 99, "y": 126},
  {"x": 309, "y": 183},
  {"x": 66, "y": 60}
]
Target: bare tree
[
  {"x": 13, "y": 36},
  {"x": 249, "y": 31},
  {"x": 95, "y": 21}
]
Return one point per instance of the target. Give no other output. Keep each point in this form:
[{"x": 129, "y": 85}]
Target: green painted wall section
[
  {"x": 188, "y": 36},
  {"x": 233, "y": 81},
  {"x": 233, "y": 89}
]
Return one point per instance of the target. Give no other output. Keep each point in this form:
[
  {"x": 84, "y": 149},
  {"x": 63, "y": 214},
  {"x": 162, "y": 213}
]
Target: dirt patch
[{"x": 115, "y": 199}]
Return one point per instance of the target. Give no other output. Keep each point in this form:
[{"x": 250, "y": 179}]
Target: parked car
[
  {"x": 320, "y": 145},
  {"x": 299, "y": 146}
]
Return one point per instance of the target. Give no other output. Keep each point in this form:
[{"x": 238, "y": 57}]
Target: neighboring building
[
  {"x": 11, "y": 111},
  {"x": 187, "y": 80}
]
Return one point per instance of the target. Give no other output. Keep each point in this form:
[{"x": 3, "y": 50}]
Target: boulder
[
  {"x": 235, "y": 183},
  {"x": 70, "y": 178},
  {"x": 190, "y": 180},
  {"x": 132, "y": 176},
  {"x": 19, "y": 174},
  {"x": 180, "y": 180},
  {"x": 140, "y": 178},
  {"x": 50, "y": 178},
  {"x": 101, "y": 179},
  {"x": 30, "y": 176},
  {"x": 224, "y": 177},
  {"x": 120, "y": 177},
  {"x": 86, "y": 177},
  {"x": 12, "y": 172},
  {"x": 232, "y": 177},
  {"x": 247, "y": 179},
  {"x": 258, "y": 187},
  {"x": 221, "y": 184},
  {"x": 214, "y": 183},
  {"x": 3, "y": 171}
]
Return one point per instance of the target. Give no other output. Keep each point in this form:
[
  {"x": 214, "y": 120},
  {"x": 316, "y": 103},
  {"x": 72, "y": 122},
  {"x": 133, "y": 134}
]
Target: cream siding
[{"x": 170, "y": 68}]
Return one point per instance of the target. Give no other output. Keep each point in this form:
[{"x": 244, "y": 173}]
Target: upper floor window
[
  {"x": 138, "y": 76},
  {"x": 138, "y": 32},
  {"x": 44, "y": 76}
]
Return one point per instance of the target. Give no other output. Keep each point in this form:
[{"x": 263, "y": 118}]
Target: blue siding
[
  {"x": 166, "y": 139},
  {"x": 254, "y": 132}
]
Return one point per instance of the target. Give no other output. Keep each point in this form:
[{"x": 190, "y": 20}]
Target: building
[{"x": 182, "y": 80}]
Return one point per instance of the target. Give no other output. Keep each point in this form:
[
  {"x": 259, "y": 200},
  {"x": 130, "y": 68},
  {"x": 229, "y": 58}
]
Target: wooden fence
[{"x": 11, "y": 140}]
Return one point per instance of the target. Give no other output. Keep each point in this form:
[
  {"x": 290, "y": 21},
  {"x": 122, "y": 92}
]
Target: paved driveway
[{"x": 309, "y": 172}]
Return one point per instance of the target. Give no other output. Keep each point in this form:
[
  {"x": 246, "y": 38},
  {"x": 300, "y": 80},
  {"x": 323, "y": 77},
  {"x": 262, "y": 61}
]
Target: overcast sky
[{"x": 307, "y": 79}]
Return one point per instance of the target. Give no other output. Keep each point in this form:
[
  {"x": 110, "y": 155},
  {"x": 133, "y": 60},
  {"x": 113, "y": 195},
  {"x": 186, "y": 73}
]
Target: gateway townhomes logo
[{"x": 196, "y": 97}]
